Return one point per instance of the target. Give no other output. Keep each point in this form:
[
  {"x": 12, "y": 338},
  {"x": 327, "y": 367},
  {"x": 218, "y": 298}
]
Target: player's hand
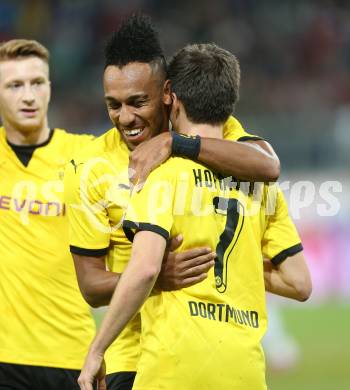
[
  {"x": 148, "y": 156},
  {"x": 94, "y": 370},
  {"x": 184, "y": 269}
]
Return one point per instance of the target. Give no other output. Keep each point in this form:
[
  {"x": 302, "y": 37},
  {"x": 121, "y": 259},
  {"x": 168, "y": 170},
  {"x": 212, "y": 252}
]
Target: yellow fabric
[
  {"x": 281, "y": 233},
  {"x": 196, "y": 338},
  {"x": 233, "y": 130},
  {"x": 44, "y": 319},
  {"x": 97, "y": 202},
  {"x": 97, "y": 193},
  {"x": 208, "y": 336}
]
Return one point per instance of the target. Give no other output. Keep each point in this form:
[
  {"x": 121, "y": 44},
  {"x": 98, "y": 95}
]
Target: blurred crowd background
[{"x": 295, "y": 60}]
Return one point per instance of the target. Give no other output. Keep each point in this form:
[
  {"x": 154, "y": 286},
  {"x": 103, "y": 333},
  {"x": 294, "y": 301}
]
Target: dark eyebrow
[
  {"x": 110, "y": 99},
  {"x": 142, "y": 96},
  {"x": 130, "y": 99}
]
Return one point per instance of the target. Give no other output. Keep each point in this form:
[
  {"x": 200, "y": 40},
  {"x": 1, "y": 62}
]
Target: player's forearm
[
  {"x": 132, "y": 290},
  {"x": 96, "y": 284},
  {"x": 275, "y": 285},
  {"x": 278, "y": 283},
  {"x": 244, "y": 161},
  {"x": 99, "y": 287}
]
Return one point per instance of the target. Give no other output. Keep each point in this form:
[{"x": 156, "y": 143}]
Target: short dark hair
[
  {"x": 206, "y": 80},
  {"x": 136, "y": 40}
]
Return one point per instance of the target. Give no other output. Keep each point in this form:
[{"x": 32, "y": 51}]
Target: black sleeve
[
  {"x": 88, "y": 252},
  {"x": 293, "y": 250}
]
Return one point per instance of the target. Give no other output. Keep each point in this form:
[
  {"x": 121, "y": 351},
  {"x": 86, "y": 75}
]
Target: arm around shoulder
[{"x": 251, "y": 161}]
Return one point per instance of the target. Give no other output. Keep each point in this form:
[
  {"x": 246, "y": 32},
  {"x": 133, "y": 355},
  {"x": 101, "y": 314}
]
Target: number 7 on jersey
[{"x": 234, "y": 212}]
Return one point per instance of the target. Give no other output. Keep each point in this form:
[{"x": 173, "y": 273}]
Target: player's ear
[
  {"x": 175, "y": 108},
  {"x": 167, "y": 100},
  {"x": 49, "y": 91},
  {"x": 174, "y": 99}
]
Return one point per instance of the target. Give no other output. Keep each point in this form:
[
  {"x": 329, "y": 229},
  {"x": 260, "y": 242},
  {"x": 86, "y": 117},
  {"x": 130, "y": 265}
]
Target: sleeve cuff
[
  {"x": 88, "y": 252},
  {"x": 250, "y": 138},
  {"x": 143, "y": 226},
  {"x": 293, "y": 250}
]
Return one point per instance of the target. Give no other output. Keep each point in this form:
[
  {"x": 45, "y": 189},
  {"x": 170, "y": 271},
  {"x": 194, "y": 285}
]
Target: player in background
[
  {"x": 45, "y": 325},
  {"x": 148, "y": 271},
  {"x": 97, "y": 184}
]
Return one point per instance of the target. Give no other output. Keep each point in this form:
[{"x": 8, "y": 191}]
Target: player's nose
[
  {"x": 126, "y": 117},
  {"x": 28, "y": 95}
]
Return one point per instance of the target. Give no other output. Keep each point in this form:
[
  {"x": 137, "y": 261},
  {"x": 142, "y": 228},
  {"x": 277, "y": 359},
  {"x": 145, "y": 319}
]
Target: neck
[
  {"x": 201, "y": 129},
  {"x": 31, "y": 137}
]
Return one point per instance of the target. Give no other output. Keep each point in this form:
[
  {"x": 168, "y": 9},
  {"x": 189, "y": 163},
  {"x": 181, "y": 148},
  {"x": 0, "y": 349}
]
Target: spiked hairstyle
[{"x": 136, "y": 40}]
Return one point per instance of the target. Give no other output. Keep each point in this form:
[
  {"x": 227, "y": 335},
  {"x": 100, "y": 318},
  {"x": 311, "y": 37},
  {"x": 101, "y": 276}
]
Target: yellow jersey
[
  {"x": 208, "y": 336},
  {"x": 44, "y": 321},
  {"x": 97, "y": 193}
]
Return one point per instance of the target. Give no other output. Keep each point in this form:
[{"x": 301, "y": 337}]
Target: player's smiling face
[
  {"x": 24, "y": 93},
  {"x": 135, "y": 101}
]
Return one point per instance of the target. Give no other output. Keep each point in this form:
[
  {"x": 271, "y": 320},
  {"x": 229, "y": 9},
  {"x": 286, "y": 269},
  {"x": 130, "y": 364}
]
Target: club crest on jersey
[{"x": 75, "y": 165}]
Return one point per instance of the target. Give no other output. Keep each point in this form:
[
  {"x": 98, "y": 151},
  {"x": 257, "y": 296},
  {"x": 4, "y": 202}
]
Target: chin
[
  {"x": 28, "y": 126},
  {"x": 132, "y": 144}
]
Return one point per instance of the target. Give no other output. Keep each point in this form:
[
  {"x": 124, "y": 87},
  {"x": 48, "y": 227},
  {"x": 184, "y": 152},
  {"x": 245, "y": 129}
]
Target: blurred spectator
[{"x": 294, "y": 56}]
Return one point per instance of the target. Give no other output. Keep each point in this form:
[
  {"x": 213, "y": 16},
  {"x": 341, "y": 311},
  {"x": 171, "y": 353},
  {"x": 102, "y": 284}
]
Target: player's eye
[
  {"x": 14, "y": 86},
  {"x": 38, "y": 82},
  {"x": 139, "y": 103},
  {"x": 113, "y": 105}
]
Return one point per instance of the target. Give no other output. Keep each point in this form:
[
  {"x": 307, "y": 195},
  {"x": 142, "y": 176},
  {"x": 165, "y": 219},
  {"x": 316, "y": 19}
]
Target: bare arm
[
  {"x": 96, "y": 284},
  {"x": 179, "y": 270},
  {"x": 290, "y": 279},
  {"x": 249, "y": 161},
  {"x": 133, "y": 288}
]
